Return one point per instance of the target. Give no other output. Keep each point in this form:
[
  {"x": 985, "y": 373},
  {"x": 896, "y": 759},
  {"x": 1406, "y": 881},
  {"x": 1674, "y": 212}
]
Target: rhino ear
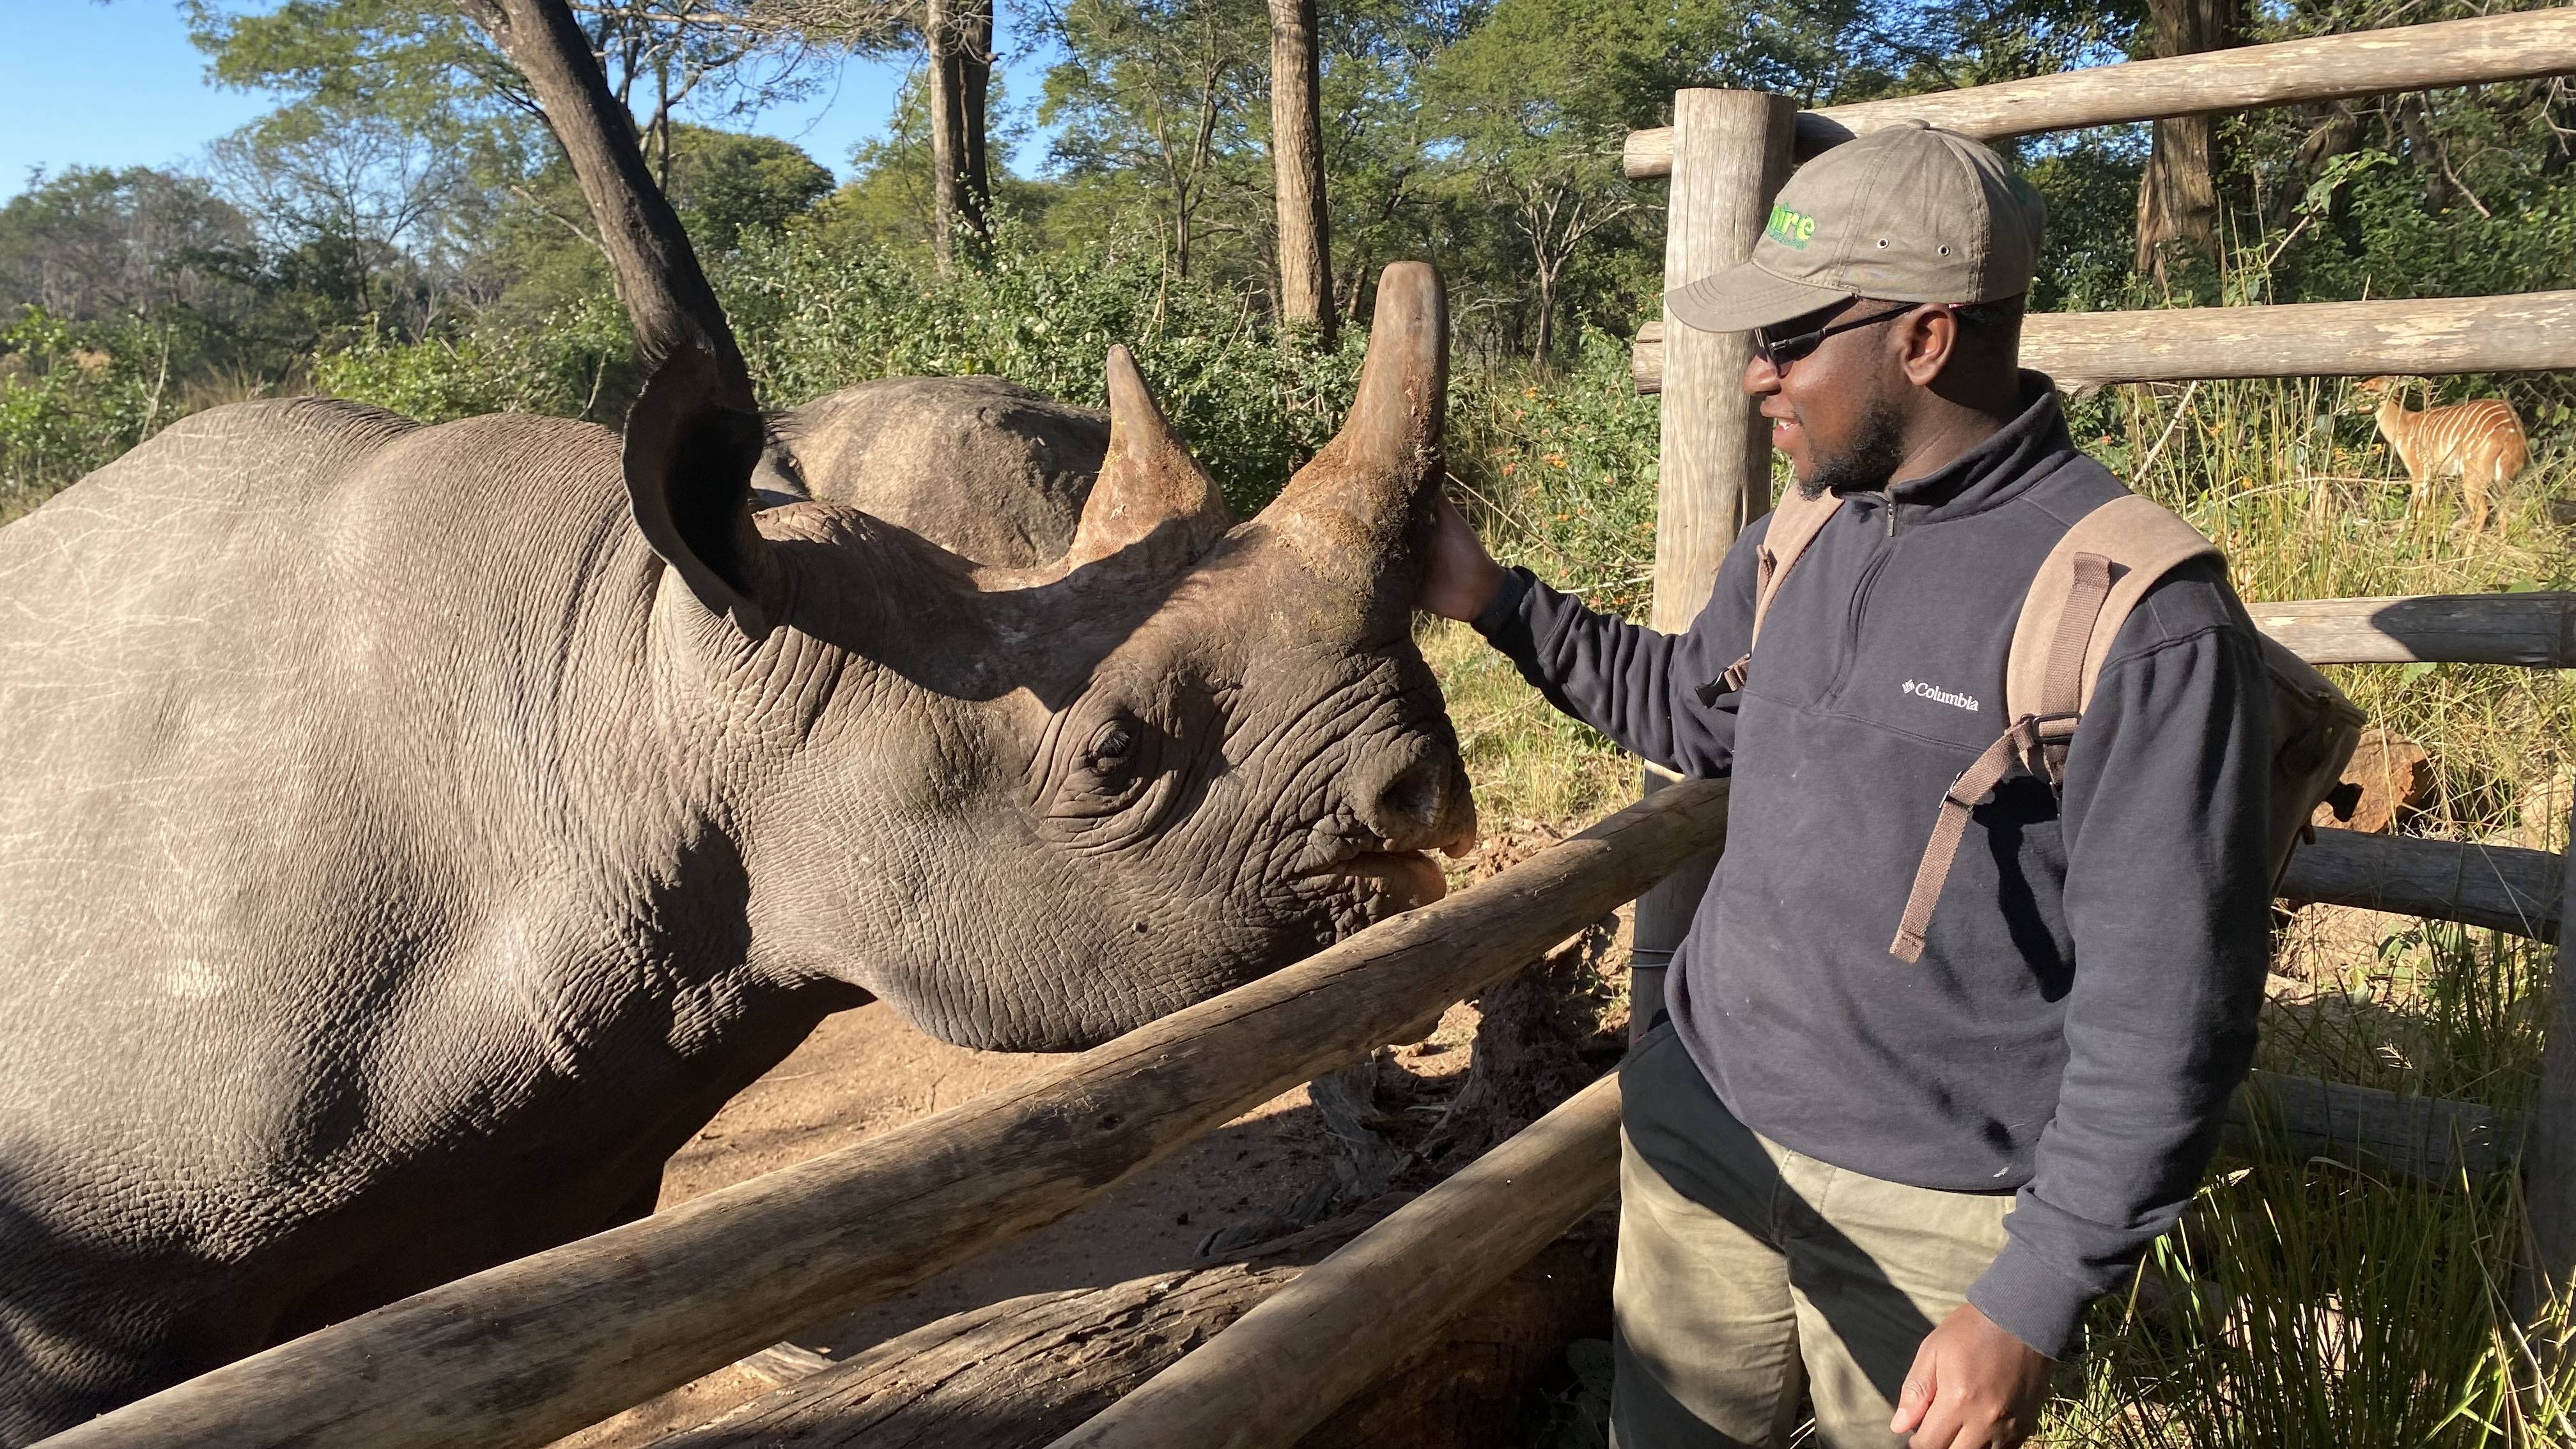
[
  {"x": 689, "y": 461},
  {"x": 1152, "y": 502}
]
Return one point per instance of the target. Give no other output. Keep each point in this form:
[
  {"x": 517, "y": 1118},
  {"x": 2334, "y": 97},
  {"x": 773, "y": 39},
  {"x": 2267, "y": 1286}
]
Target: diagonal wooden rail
[
  {"x": 521, "y": 1354},
  {"x": 2517, "y": 46},
  {"x": 1283, "y": 1368}
]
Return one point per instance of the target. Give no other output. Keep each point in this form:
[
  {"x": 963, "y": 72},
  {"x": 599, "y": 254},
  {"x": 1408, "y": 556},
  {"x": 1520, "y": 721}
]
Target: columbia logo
[{"x": 1967, "y": 702}]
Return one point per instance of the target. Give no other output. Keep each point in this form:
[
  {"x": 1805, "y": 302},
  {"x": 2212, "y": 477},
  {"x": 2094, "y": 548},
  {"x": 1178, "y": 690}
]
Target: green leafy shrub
[
  {"x": 1253, "y": 400},
  {"x": 1559, "y": 471},
  {"x": 575, "y": 366},
  {"x": 72, "y": 397}
]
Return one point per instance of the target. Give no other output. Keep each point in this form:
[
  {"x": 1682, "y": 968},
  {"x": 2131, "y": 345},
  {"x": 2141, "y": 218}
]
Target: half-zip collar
[{"x": 1995, "y": 471}]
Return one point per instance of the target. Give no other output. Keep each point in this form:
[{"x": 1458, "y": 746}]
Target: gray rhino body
[
  {"x": 416, "y": 833},
  {"x": 983, "y": 467}
]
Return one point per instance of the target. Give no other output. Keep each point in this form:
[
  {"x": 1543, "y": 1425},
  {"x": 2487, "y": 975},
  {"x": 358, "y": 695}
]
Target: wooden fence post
[
  {"x": 2549, "y": 1152},
  {"x": 1730, "y": 155}
]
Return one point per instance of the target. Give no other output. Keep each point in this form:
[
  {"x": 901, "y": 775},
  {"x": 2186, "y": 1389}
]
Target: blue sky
[{"x": 85, "y": 84}]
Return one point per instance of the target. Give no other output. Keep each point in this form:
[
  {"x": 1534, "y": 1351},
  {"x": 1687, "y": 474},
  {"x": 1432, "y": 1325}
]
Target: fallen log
[
  {"x": 2501, "y": 887},
  {"x": 520, "y": 1354},
  {"x": 2290, "y": 72},
  {"x": 2536, "y": 629},
  {"x": 2516, "y": 332},
  {"x": 1017, "y": 1374},
  {"x": 1285, "y": 1368}
]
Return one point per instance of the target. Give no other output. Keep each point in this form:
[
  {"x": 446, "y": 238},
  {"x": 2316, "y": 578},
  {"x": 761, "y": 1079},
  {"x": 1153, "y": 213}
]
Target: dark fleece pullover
[{"x": 2086, "y": 1000}]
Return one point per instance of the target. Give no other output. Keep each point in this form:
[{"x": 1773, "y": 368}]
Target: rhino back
[
  {"x": 266, "y": 709},
  {"x": 981, "y": 466}
]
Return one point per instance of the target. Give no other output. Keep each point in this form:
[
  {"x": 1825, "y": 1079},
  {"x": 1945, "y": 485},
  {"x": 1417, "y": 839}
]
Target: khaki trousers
[{"x": 1774, "y": 1276}]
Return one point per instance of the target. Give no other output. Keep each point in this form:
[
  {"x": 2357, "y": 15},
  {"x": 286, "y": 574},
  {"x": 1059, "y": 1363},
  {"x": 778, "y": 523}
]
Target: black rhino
[{"x": 416, "y": 833}]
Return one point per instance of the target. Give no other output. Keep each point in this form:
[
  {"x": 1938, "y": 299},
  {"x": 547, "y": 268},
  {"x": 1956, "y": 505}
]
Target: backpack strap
[
  {"x": 1795, "y": 522},
  {"x": 2065, "y": 632},
  {"x": 2084, "y": 591}
]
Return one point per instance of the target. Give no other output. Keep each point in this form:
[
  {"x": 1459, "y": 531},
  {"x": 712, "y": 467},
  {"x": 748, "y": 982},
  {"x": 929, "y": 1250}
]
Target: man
[{"x": 1891, "y": 1189}]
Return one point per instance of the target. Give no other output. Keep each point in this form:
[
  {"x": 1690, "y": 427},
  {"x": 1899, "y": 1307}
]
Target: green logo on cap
[{"x": 1790, "y": 229}]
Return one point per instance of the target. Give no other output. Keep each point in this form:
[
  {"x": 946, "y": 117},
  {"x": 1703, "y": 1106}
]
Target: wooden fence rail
[
  {"x": 2431, "y": 1138},
  {"x": 2292, "y": 72},
  {"x": 521, "y": 1354},
  {"x": 2536, "y": 630},
  {"x": 1288, "y": 1365},
  {"x": 2523, "y": 332},
  {"x": 2501, "y": 887}
]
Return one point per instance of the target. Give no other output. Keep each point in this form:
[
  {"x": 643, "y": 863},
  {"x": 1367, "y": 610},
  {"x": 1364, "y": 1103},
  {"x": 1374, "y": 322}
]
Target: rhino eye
[{"x": 1112, "y": 746}]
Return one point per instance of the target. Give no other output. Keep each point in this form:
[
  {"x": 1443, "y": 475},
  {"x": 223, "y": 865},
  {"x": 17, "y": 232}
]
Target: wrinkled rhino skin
[
  {"x": 417, "y": 833},
  {"x": 986, "y": 468}
]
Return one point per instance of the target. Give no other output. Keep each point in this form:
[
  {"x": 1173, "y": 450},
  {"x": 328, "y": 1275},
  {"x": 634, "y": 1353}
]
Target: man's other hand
[
  {"x": 1973, "y": 1386},
  {"x": 1459, "y": 578}
]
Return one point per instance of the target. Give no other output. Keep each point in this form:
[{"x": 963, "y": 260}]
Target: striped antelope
[{"x": 2480, "y": 440}]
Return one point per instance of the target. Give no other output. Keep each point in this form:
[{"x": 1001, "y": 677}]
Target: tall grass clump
[{"x": 2303, "y": 1305}]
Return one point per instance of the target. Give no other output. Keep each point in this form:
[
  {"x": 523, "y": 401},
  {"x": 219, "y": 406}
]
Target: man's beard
[{"x": 1869, "y": 463}]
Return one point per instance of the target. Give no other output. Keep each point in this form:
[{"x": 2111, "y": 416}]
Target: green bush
[
  {"x": 1559, "y": 471},
  {"x": 1253, "y": 400},
  {"x": 72, "y": 397},
  {"x": 575, "y": 366}
]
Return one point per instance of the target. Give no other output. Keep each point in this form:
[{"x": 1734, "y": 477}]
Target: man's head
[{"x": 1885, "y": 298}]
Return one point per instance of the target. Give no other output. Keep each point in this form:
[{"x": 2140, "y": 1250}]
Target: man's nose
[{"x": 1761, "y": 379}]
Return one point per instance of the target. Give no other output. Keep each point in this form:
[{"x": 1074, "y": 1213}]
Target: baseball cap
[{"x": 1910, "y": 213}]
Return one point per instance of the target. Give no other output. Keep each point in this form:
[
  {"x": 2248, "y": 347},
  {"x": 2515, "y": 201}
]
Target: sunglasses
[{"x": 1782, "y": 351}]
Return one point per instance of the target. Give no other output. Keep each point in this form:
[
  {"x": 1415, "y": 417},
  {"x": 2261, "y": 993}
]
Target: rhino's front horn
[
  {"x": 1353, "y": 510},
  {"x": 1152, "y": 503}
]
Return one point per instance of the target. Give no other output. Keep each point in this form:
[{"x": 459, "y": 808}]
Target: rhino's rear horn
[
  {"x": 1352, "y": 510},
  {"x": 1153, "y": 503},
  {"x": 688, "y": 461}
]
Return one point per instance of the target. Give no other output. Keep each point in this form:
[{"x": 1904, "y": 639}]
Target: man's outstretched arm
[{"x": 1656, "y": 694}]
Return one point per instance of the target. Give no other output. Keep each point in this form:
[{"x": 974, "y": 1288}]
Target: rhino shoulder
[
  {"x": 981, "y": 466},
  {"x": 314, "y": 435}
]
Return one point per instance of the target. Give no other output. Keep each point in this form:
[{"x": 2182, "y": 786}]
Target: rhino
[
  {"x": 983, "y": 467},
  {"x": 417, "y": 832}
]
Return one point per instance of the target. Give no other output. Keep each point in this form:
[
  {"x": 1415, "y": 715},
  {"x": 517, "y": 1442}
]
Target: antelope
[{"x": 2480, "y": 440}]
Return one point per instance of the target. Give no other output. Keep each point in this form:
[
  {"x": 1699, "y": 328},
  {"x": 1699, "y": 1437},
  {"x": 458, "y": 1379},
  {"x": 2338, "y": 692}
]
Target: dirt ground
[{"x": 865, "y": 1071}]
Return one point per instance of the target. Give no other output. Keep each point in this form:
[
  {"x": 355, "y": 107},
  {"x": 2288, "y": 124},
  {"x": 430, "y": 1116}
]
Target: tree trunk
[
  {"x": 668, "y": 301},
  {"x": 1297, "y": 166},
  {"x": 960, "y": 34},
  {"x": 2178, "y": 193}
]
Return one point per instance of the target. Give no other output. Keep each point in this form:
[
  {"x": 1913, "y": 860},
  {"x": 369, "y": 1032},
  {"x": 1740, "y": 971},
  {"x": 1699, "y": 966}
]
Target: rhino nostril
[
  {"x": 1412, "y": 809},
  {"x": 1413, "y": 796}
]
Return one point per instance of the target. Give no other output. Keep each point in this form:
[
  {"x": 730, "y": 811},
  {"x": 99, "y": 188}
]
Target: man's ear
[
  {"x": 689, "y": 461},
  {"x": 1928, "y": 343}
]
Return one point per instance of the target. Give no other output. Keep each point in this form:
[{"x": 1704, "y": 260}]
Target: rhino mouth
[
  {"x": 1365, "y": 887},
  {"x": 1411, "y": 875}
]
